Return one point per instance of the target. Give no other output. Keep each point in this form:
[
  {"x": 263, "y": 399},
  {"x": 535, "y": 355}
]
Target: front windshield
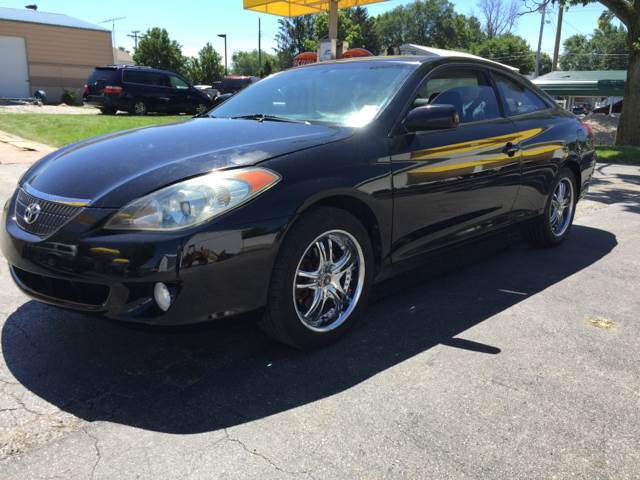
[{"x": 349, "y": 94}]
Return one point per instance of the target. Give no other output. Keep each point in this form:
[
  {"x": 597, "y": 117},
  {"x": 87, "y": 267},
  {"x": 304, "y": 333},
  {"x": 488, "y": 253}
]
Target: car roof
[
  {"x": 433, "y": 55},
  {"x": 134, "y": 67}
]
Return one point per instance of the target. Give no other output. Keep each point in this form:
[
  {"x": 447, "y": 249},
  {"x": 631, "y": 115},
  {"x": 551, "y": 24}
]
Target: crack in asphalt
[
  {"x": 97, "y": 450},
  {"x": 255, "y": 453}
]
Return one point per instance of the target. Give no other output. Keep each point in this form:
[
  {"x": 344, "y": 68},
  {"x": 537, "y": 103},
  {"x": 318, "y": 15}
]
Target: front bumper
[{"x": 217, "y": 271}]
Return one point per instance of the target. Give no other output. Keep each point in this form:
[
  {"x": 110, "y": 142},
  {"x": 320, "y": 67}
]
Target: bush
[{"x": 69, "y": 97}]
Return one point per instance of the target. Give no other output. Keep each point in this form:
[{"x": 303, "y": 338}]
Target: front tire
[
  {"x": 321, "y": 280},
  {"x": 553, "y": 226},
  {"x": 200, "y": 109}
]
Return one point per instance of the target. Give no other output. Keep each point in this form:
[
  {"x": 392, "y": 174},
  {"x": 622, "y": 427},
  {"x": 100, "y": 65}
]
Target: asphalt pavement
[{"x": 494, "y": 362}]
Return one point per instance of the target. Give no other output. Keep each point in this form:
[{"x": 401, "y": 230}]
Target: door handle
[{"x": 511, "y": 149}]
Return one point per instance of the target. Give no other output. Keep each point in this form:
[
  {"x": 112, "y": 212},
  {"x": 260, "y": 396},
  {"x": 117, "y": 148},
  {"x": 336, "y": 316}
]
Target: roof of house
[
  {"x": 46, "y": 18},
  {"x": 583, "y": 83},
  {"x": 583, "y": 75},
  {"x": 121, "y": 57}
]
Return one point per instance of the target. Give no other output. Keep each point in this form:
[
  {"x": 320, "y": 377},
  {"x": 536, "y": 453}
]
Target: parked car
[
  {"x": 211, "y": 92},
  {"x": 234, "y": 83},
  {"x": 222, "y": 98},
  {"x": 140, "y": 90},
  {"x": 294, "y": 196},
  {"x": 617, "y": 108},
  {"x": 580, "y": 110}
]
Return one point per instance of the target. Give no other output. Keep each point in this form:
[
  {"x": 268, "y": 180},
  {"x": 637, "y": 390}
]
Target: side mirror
[{"x": 431, "y": 117}]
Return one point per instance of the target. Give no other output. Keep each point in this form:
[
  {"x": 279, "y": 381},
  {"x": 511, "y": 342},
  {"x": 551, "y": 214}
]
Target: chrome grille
[{"x": 52, "y": 216}]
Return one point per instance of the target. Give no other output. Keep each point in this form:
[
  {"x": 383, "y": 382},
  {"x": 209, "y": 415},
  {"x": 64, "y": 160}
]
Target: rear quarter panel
[{"x": 550, "y": 139}]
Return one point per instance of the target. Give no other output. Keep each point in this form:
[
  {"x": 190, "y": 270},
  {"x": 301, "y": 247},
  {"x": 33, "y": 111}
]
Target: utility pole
[
  {"x": 259, "y": 46},
  {"x": 135, "y": 35},
  {"x": 544, "y": 11},
  {"x": 224, "y": 35},
  {"x": 556, "y": 47}
]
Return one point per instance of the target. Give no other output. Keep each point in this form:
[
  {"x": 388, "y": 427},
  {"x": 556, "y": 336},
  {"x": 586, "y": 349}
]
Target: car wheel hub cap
[
  {"x": 328, "y": 281},
  {"x": 562, "y": 203}
]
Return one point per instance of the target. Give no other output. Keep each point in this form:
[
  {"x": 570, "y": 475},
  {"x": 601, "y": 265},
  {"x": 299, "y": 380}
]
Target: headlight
[{"x": 193, "y": 201}]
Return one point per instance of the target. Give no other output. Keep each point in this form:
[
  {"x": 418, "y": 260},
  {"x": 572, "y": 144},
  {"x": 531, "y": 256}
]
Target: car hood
[{"x": 114, "y": 169}]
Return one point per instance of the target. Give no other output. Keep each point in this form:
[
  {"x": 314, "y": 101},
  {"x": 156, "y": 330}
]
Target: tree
[
  {"x": 510, "y": 50},
  {"x": 295, "y": 35},
  {"x": 267, "y": 68},
  {"x": 604, "y": 50},
  {"x": 246, "y": 63},
  {"x": 366, "y": 35},
  {"x": 206, "y": 68},
  {"x": 577, "y": 54},
  {"x": 157, "y": 50},
  {"x": 500, "y": 16},
  {"x": 354, "y": 25},
  {"x": 628, "y": 12},
  {"x": 430, "y": 22}
]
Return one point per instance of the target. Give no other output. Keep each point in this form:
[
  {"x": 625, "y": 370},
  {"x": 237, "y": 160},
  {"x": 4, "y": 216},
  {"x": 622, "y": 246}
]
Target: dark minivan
[{"x": 139, "y": 90}]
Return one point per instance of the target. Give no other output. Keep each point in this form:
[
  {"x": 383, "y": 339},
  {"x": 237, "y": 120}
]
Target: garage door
[{"x": 14, "y": 76}]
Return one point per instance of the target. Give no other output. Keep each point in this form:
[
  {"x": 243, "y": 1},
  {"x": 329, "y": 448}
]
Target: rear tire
[
  {"x": 553, "y": 226},
  {"x": 139, "y": 108},
  {"x": 321, "y": 279}
]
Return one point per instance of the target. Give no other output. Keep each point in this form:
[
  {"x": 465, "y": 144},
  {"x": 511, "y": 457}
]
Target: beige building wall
[{"x": 60, "y": 58}]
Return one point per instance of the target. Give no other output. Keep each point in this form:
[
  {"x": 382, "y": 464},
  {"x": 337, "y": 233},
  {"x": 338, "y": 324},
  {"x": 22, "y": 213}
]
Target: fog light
[{"x": 162, "y": 296}]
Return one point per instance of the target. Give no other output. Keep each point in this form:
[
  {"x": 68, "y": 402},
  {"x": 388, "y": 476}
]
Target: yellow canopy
[{"x": 293, "y": 8}]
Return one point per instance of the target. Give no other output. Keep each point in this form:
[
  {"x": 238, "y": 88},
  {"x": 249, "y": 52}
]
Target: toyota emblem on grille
[{"x": 32, "y": 213}]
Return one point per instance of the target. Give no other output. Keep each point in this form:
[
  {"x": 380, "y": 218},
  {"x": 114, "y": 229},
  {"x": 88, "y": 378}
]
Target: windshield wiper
[{"x": 261, "y": 117}]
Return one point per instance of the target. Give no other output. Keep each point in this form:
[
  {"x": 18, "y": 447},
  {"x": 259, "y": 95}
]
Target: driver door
[
  {"x": 450, "y": 185},
  {"x": 180, "y": 90}
]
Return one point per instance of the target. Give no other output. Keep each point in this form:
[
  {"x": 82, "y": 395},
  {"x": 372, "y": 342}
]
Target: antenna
[{"x": 113, "y": 21}]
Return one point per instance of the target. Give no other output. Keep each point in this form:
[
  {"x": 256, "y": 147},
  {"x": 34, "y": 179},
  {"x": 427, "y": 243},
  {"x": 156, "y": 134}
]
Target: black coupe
[{"x": 297, "y": 194}]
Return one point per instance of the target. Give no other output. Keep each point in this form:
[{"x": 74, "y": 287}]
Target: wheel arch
[
  {"x": 573, "y": 165},
  {"x": 357, "y": 206}
]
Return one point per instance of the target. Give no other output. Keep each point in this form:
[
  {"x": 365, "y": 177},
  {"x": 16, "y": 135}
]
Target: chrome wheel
[
  {"x": 201, "y": 108},
  {"x": 562, "y": 204},
  {"x": 328, "y": 280}
]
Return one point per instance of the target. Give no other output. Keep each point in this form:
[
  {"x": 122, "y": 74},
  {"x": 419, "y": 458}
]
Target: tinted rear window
[
  {"x": 145, "y": 78},
  {"x": 233, "y": 83},
  {"x": 103, "y": 75}
]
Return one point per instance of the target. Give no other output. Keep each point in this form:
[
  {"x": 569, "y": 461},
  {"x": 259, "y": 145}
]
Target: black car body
[
  {"x": 234, "y": 83},
  {"x": 139, "y": 90},
  {"x": 416, "y": 177},
  {"x": 580, "y": 110}
]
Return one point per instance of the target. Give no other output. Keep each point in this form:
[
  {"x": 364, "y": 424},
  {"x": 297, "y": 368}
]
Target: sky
[{"x": 195, "y": 22}]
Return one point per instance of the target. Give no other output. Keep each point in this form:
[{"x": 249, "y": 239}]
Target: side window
[
  {"x": 132, "y": 77},
  {"x": 158, "y": 80},
  {"x": 144, "y": 78},
  {"x": 469, "y": 91},
  {"x": 178, "y": 83},
  {"x": 518, "y": 99}
]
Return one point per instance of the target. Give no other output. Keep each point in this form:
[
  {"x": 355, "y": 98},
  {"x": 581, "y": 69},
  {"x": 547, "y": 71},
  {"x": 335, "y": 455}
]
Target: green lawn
[
  {"x": 59, "y": 130},
  {"x": 626, "y": 155}
]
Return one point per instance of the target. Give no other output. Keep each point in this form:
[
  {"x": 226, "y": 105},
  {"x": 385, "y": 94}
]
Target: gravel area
[
  {"x": 604, "y": 127},
  {"x": 49, "y": 109}
]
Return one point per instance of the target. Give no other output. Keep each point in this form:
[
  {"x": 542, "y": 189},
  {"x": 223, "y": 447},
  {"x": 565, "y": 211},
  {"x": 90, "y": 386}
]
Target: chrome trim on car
[{"x": 72, "y": 202}]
